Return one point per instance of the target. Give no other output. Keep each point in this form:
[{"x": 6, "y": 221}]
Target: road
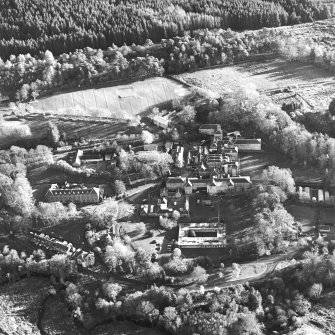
[{"x": 271, "y": 262}]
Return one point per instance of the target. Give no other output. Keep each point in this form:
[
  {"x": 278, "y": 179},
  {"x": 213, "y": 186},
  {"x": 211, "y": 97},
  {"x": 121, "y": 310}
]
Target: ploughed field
[{"x": 121, "y": 101}]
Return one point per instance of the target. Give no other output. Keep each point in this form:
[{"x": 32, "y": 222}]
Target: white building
[{"x": 201, "y": 235}]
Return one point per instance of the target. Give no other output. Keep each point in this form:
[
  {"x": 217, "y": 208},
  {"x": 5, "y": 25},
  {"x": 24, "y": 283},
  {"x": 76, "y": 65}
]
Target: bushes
[
  {"x": 315, "y": 291},
  {"x": 58, "y": 265},
  {"x": 65, "y": 167},
  {"x": 53, "y": 212},
  {"x": 167, "y": 223}
]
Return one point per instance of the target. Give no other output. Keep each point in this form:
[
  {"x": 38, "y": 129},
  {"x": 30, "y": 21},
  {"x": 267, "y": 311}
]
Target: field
[
  {"x": 122, "y": 101},
  {"x": 252, "y": 164},
  {"x": 313, "y": 86}
]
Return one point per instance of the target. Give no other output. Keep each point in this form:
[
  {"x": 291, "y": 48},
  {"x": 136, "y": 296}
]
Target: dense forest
[
  {"x": 30, "y": 76},
  {"x": 31, "y": 26}
]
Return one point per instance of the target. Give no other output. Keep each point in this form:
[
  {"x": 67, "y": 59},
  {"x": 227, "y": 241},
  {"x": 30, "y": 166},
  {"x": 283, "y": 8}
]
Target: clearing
[
  {"x": 122, "y": 101},
  {"x": 313, "y": 86}
]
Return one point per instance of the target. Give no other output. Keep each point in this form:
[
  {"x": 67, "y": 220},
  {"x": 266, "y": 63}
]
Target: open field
[
  {"x": 122, "y": 101},
  {"x": 252, "y": 164},
  {"x": 19, "y": 305},
  {"x": 309, "y": 84},
  {"x": 72, "y": 231}
]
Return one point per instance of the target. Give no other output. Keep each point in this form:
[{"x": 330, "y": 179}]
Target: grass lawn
[
  {"x": 19, "y": 305},
  {"x": 72, "y": 231},
  {"x": 327, "y": 215},
  {"x": 304, "y": 214},
  {"x": 253, "y": 164},
  {"x": 235, "y": 212},
  {"x": 119, "y": 101}
]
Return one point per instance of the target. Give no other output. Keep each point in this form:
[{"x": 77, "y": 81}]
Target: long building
[
  {"x": 201, "y": 235},
  {"x": 211, "y": 185},
  {"x": 76, "y": 195}
]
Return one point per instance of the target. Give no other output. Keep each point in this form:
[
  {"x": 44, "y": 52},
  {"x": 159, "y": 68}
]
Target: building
[
  {"x": 201, "y": 235},
  {"x": 231, "y": 152},
  {"x": 160, "y": 121},
  {"x": 76, "y": 194},
  {"x": 210, "y": 129},
  {"x": 173, "y": 184},
  {"x": 91, "y": 158},
  {"x": 150, "y": 147},
  {"x": 82, "y": 157},
  {"x": 77, "y": 158},
  {"x": 211, "y": 185},
  {"x": 166, "y": 206},
  {"x": 245, "y": 144}
]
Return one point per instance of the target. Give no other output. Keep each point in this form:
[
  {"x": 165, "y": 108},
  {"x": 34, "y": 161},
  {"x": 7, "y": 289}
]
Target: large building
[
  {"x": 245, "y": 144},
  {"x": 160, "y": 121},
  {"x": 166, "y": 205},
  {"x": 201, "y": 235},
  {"x": 77, "y": 194},
  {"x": 211, "y": 185}
]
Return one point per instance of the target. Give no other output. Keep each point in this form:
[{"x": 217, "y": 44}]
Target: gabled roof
[
  {"x": 240, "y": 180},
  {"x": 175, "y": 180},
  {"x": 74, "y": 191},
  {"x": 247, "y": 141},
  {"x": 210, "y": 126},
  {"x": 91, "y": 156}
]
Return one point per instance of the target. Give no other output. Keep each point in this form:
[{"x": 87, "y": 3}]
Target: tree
[
  {"x": 199, "y": 274},
  {"x": 119, "y": 187},
  {"x": 300, "y": 304},
  {"x": 176, "y": 253},
  {"x": 315, "y": 291},
  {"x": 171, "y": 320},
  {"x": 175, "y": 215},
  {"x": 111, "y": 290},
  {"x": 188, "y": 114},
  {"x": 17, "y": 194},
  {"x": 246, "y": 324},
  {"x": 147, "y": 311},
  {"x": 280, "y": 177},
  {"x": 167, "y": 223},
  {"x": 147, "y": 137},
  {"x": 53, "y": 133},
  {"x": 331, "y": 107}
]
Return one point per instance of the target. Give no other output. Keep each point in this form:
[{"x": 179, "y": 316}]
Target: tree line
[
  {"x": 63, "y": 26},
  {"x": 247, "y": 108},
  {"x": 30, "y": 76}
]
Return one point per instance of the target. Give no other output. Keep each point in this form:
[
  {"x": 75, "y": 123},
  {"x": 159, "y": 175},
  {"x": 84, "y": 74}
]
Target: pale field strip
[{"x": 117, "y": 101}]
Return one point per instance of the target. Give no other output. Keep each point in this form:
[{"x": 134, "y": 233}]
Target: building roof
[
  {"x": 175, "y": 180},
  {"x": 240, "y": 180},
  {"x": 91, "y": 156},
  {"x": 210, "y": 126},
  {"x": 150, "y": 146},
  {"x": 69, "y": 191},
  {"x": 247, "y": 141}
]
